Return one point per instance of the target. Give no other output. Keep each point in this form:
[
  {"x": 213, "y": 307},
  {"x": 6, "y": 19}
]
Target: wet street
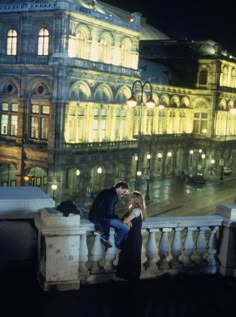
[{"x": 172, "y": 197}]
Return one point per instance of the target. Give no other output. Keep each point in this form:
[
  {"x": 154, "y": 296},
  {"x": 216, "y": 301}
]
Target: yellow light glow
[
  {"x": 159, "y": 155},
  {"x": 233, "y": 110},
  {"x": 139, "y": 173},
  {"x": 150, "y": 103},
  {"x": 54, "y": 187},
  {"x": 149, "y": 156},
  {"x": 132, "y": 102},
  {"x": 99, "y": 170},
  {"x": 77, "y": 172},
  {"x": 191, "y": 152}
]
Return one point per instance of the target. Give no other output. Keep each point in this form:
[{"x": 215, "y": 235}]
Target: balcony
[{"x": 188, "y": 266}]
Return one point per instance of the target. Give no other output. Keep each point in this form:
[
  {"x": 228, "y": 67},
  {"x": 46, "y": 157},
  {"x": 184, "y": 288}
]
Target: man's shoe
[{"x": 105, "y": 242}]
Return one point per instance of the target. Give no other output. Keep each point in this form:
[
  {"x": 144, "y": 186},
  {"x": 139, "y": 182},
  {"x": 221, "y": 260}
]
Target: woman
[{"x": 129, "y": 264}]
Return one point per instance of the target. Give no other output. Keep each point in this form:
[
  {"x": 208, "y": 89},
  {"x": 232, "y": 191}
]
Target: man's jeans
[{"x": 122, "y": 230}]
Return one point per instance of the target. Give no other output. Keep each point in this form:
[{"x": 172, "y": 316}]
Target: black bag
[{"x": 67, "y": 207}]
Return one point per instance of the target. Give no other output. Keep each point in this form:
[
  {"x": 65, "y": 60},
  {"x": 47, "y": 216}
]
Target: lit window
[
  {"x": 200, "y": 123},
  {"x": 99, "y": 124},
  {"x": 203, "y": 77},
  {"x": 43, "y": 42},
  {"x": 39, "y": 122},
  {"x": 8, "y": 119},
  {"x": 11, "y": 42}
]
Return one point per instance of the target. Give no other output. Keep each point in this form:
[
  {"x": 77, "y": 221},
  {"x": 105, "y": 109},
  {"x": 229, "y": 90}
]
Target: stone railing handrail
[{"x": 171, "y": 222}]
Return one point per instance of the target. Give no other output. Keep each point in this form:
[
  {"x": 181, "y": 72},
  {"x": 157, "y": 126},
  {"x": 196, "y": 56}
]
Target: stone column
[{"x": 58, "y": 249}]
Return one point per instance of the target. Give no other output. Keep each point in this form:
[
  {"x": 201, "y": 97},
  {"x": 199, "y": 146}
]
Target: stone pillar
[
  {"x": 58, "y": 249},
  {"x": 227, "y": 255}
]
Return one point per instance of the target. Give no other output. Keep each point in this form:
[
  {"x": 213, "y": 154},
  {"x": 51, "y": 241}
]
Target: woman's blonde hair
[{"x": 138, "y": 202}]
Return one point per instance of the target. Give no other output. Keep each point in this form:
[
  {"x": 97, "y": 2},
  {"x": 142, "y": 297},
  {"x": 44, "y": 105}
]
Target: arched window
[
  {"x": 81, "y": 44},
  {"x": 105, "y": 48},
  {"x": 125, "y": 53},
  {"x": 203, "y": 77},
  {"x": 11, "y": 42},
  {"x": 43, "y": 42}
]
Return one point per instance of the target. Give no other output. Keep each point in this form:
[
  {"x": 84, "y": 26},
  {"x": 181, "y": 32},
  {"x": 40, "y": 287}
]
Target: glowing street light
[{"x": 77, "y": 172}]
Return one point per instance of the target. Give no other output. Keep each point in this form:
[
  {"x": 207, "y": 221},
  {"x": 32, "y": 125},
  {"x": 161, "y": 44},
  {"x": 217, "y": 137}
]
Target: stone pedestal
[
  {"x": 58, "y": 249},
  {"x": 227, "y": 255}
]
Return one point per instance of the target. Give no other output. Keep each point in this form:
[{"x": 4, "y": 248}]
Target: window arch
[
  {"x": 79, "y": 43},
  {"x": 43, "y": 42},
  {"x": 11, "y": 42},
  {"x": 103, "y": 94}
]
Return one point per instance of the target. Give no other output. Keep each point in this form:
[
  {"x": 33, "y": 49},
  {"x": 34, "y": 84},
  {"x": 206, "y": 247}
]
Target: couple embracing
[{"x": 128, "y": 229}]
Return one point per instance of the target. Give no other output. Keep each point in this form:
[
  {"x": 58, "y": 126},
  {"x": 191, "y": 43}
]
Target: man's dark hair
[{"x": 122, "y": 185}]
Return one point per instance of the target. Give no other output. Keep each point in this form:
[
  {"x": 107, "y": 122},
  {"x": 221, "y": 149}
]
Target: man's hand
[{"x": 129, "y": 224}]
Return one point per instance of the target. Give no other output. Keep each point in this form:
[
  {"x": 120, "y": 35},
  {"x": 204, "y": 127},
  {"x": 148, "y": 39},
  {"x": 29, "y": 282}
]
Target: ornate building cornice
[{"x": 91, "y": 9}]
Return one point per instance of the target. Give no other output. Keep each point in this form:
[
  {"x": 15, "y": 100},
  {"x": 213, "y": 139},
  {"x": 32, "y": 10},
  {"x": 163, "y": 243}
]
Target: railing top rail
[{"x": 172, "y": 222}]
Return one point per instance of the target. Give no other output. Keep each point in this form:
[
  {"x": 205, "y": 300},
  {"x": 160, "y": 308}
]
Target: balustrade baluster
[
  {"x": 176, "y": 249},
  {"x": 164, "y": 249},
  {"x": 110, "y": 253},
  {"x": 151, "y": 252},
  {"x": 83, "y": 255},
  {"x": 188, "y": 247},
  {"x": 96, "y": 254},
  {"x": 199, "y": 257},
  {"x": 143, "y": 252},
  {"x": 212, "y": 268}
]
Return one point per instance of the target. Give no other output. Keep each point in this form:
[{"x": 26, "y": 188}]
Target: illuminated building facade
[{"x": 66, "y": 72}]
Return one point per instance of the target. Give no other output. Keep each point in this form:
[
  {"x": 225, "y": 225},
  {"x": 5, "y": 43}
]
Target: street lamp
[
  {"x": 54, "y": 188},
  {"x": 132, "y": 102},
  {"x": 147, "y": 196},
  {"x": 99, "y": 172}
]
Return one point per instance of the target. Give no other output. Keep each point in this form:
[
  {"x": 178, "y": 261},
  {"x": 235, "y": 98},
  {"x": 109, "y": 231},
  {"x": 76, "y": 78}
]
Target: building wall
[{"x": 64, "y": 114}]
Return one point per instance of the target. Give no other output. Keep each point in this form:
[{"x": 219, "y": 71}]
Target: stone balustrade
[
  {"x": 173, "y": 245},
  {"x": 170, "y": 245}
]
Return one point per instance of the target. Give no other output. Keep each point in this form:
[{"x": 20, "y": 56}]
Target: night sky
[{"x": 191, "y": 19}]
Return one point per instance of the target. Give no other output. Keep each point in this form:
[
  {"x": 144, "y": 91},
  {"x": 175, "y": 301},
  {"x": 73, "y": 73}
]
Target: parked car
[
  {"x": 227, "y": 170},
  {"x": 196, "y": 179}
]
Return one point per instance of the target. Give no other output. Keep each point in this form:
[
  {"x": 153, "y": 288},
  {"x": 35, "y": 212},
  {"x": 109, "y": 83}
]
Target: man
[{"x": 102, "y": 214}]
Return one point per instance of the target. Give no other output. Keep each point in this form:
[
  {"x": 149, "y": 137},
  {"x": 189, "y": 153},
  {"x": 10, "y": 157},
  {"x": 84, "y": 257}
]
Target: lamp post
[
  {"x": 147, "y": 196},
  {"x": 132, "y": 102},
  {"x": 231, "y": 111},
  {"x": 99, "y": 172}
]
